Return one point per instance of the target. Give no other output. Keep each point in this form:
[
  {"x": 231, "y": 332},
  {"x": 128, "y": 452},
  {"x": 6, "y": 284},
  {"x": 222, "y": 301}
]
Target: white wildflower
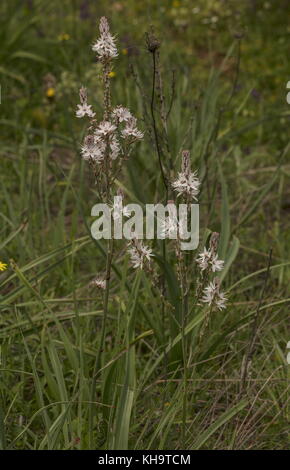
[
  {"x": 93, "y": 148},
  {"x": 212, "y": 295},
  {"x": 220, "y": 301},
  {"x": 105, "y": 46},
  {"x": 203, "y": 259},
  {"x": 104, "y": 140},
  {"x": 187, "y": 184},
  {"x": 207, "y": 259},
  {"x": 121, "y": 114},
  {"x": 170, "y": 226},
  {"x": 131, "y": 130},
  {"x": 84, "y": 109},
  {"x": 99, "y": 283},
  {"x": 105, "y": 128},
  {"x": 209, "y": 293},
  {"x": 216, "y": 264},
  {"x": 118, "y": 210},
  {"x": 139, "y": 253}
]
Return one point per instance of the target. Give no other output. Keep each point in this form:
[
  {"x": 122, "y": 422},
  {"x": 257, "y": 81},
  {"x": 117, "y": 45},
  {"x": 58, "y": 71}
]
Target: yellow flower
[
  {"x": 112, "y": 74},
  {"x": 3, "y": 266},
  {"x": 63, "y": 37},
  {"x": 125, "y": 51},
  {"x": 50, "y": 92}
]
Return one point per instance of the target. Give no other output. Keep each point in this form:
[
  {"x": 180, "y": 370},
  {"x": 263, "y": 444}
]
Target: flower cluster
[
  {"x": 105, "y": 46},
  {"x": 118, "y": 130},
  {"x": 84, "y": 109},
  {"x": 207, "y": 259},
  {"x": 187, "y": 182},
  {"x": 187, "y": 185},
  {"x": 212, "y": 295},
  {"x": 131, "y": 131},
  {"x": 93, "y": 148},
  {"x": 121, "y": 114},
  {"x": 105, "y": 138},
  {"x": 173, "y": 228},
  {"x": 139, "y": 253},
  {"x": 169, "y": 226}
]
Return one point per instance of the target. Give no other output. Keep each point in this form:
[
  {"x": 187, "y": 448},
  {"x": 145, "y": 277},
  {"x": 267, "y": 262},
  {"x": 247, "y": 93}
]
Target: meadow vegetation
[{"x": 97, "y": 351}]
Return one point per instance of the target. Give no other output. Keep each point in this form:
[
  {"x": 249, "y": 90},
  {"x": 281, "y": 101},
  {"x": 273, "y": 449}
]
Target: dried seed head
[{"x": 152, "y": 42}]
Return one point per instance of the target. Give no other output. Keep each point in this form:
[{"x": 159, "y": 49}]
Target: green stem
[{"x": 97, "y": 365}]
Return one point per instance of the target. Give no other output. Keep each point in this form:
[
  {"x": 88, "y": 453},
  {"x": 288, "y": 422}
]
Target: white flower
[
  {"x": 84, "y": 109},
  {"x": 220, "y": 301},
  {"x": 187, "y": 184},
  {"x": 171, "y": 227},
  {"x": 105, "y": 46},
  {"x": 139, "y": 254},
  {"x": 93, "y": 148},
  {"x": 105, "y": 128},
  {"x": 99, "y": 283},
  {"x": 131, "y": 130},
  {"x": 209, "y": 293},
  {"x": 207, "y": 259},
  {"x": 203, "y": 259},
  {"x": 122, "y": 114},
  {"x": 118, "y": 209},
  {"x": 212, "y": 295},
  {"x": 216, "y": 264}
]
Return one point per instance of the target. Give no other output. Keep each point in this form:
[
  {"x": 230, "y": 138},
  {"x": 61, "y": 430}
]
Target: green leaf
[
  {"x": 27, "y": 55},
  {"x": 126, "y": 398},
  {"x": 223, "y": 419}
]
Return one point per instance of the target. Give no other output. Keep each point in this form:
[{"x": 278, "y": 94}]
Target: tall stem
[
  {"x": 97, "y": 366},
  {"x": 109, "y": 257}
]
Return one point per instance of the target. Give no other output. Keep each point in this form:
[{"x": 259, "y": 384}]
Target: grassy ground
[{"x": 226, "y": 69}]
